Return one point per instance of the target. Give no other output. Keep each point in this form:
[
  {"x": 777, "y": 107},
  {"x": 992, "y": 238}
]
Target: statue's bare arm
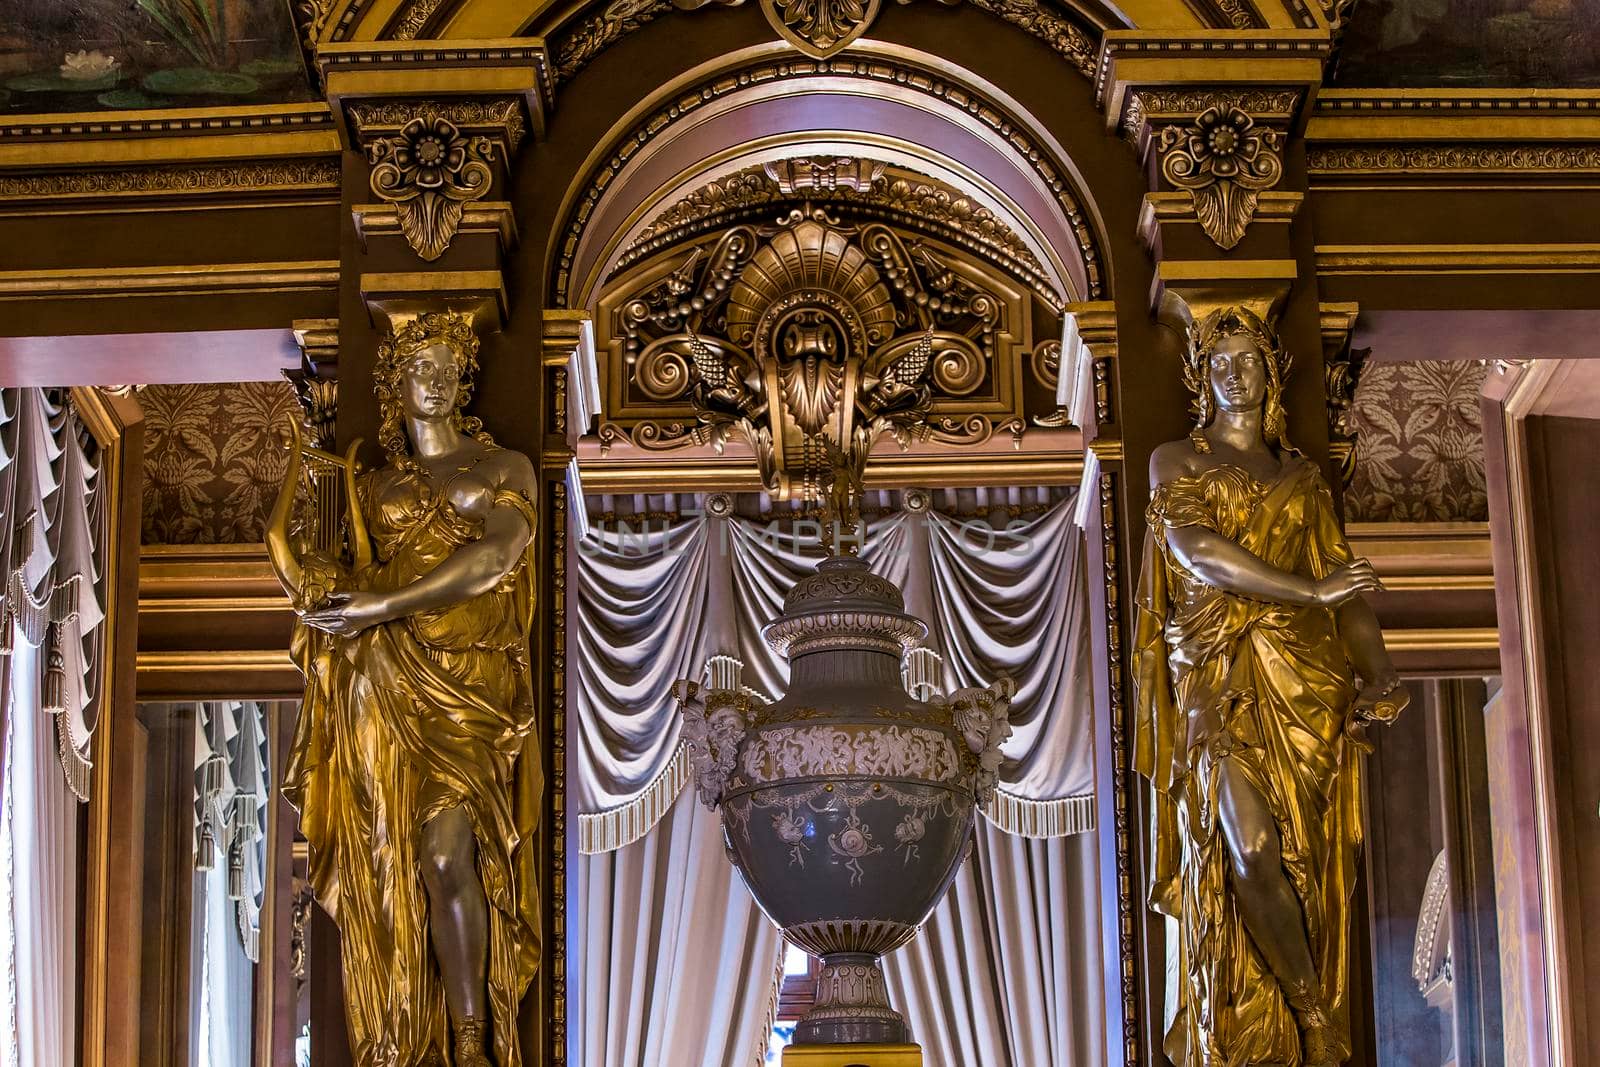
[
  {"x": 471, "y": 570},
  {"x": 478, "y": 566},
  {"x": 1224, "y": 564}
]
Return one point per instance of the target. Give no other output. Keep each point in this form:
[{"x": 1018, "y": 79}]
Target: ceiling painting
[
  {"x": 90, "y": 55},
  {"x": 1471, "y": 44}
]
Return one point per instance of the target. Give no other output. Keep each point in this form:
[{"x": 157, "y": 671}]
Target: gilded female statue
[
  {"x": 407, "y": 760},
  {"x": 1257, "y": 665}
]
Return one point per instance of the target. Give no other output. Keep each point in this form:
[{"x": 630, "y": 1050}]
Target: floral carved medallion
[
  {"x": 1223, "y": 161},
  {"x": 820, "y": 28},
  {"x": 430, "y": 171}
]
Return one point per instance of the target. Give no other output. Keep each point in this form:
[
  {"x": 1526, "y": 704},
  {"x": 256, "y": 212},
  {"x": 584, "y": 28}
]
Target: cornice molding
[
  {"x": 577, "y": 46},
  {"x": 207, "y": 279},
  {"x": 280, "y": 135},
  {"x": 440, "y": 74},
  {"x": 268, "y": 177},
  {"x": 1447, "y": 101},
  {"x": 1463, "y": 259},
  {"x": 1132, "y": 59},
  {"x": 113, "y": 124}
]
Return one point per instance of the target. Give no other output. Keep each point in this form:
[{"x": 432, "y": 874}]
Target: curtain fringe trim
[
  {"x": 614, "y": 828},
  {"x": 1041, "y": 818},
  {"x": 74, "y": 764}
]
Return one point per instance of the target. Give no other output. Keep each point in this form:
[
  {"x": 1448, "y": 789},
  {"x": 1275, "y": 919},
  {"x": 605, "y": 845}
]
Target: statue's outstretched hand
[
  {"x": 347, "y": 614},
  {"x": 1380, "y": 700}
]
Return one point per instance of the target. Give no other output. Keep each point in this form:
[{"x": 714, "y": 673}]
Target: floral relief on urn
[{"x": 848, "y": 804}]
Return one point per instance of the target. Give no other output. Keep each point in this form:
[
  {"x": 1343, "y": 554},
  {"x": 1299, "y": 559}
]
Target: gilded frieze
[{"x": 288, "y": 176}]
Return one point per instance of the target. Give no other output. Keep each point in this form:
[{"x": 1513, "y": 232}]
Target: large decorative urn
[{"x": 847, "y": 805}]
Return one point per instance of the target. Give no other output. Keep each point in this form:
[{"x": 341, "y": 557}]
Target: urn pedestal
[
  {"x": 852, "y": 1056},
  {"x": 847, "y": 805}
]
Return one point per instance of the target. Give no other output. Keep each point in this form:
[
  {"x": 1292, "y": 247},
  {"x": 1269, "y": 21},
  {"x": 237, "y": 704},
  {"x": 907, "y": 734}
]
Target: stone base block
[{"x": 852, "y": 1056}]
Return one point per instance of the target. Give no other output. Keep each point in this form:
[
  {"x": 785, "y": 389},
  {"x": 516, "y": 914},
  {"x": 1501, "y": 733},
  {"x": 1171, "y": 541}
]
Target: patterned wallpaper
[
  {"x": 213, "y": 461},
  {"x": 1419, "y": 453}
]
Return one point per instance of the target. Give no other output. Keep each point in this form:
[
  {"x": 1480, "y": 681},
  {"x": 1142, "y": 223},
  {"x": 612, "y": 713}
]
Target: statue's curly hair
[
  {"x": 451, "y": 328},
  {"x": 1205, "y": 336}
]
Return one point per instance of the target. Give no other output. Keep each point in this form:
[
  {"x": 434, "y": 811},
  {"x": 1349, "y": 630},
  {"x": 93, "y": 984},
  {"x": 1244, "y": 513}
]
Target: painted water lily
[{"x": 87, "y": 66}]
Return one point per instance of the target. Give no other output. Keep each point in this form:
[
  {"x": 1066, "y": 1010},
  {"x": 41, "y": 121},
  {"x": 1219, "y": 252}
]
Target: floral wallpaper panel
[
  {"x": 1419, "y": 449},
  {"x": 214, "y": 459}
]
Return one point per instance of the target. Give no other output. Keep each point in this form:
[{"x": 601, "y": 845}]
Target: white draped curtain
[
  {"x": 230, "y": 801},
  {"x": 660, "y": 587},
  {"x": 50, "y": 615}
]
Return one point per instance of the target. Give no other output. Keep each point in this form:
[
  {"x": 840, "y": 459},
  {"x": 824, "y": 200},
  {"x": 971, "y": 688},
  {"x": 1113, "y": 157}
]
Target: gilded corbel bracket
[
  {"x": 1210, "y": 117},
  {"x": 396, "y": 298},
  {"x": 1224, "y": 161},
  {"x": 316, "y": 380},
  {"x": 439, "y": 127},
  {"x": 1341, "y": 365}
]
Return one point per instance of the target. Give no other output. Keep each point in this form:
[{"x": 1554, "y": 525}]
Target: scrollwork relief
[
  {"x": 868, "y": 185},
  {"x": 810, "y": 339}
]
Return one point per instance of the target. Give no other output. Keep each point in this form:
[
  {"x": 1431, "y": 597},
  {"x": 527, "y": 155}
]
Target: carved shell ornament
[{"x": 810, "y": 338}]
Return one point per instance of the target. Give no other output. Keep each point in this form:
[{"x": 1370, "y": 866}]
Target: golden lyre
[{"x": 322, "y": 551}]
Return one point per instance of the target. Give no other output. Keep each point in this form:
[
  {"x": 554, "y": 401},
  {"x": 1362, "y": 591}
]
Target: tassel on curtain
[
  {"x": 230, "y": 806},
  {"x": 51, "y": 539}
]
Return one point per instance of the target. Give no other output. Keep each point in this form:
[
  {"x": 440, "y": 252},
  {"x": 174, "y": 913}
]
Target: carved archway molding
[
  {"x": 1029, "y": 181},
  {"x": 1072, "y": 28}
]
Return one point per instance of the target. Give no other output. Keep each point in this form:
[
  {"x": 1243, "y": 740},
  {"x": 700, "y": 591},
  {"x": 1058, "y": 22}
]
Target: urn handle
[
  {"x": 982, "y": 715},
  {"x": 714, "y": 722}
]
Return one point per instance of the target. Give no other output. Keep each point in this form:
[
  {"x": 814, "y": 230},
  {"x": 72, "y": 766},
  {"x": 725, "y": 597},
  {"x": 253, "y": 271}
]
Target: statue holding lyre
[
  {"x": 415, "y": 766},
  {"x": 1257, "y": 667}
]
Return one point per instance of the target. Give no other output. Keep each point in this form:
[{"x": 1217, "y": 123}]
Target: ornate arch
[{"x": 888, "y": 75}]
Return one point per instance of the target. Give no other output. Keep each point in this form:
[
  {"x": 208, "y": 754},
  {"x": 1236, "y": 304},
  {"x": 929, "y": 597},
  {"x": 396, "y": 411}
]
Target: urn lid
[{"x": 844, "y": 606}]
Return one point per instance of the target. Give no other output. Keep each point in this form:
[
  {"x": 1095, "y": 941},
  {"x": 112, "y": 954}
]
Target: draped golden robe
[
  {"x": 402, "y": 721},
  {"x": 1271, "y": 688}
]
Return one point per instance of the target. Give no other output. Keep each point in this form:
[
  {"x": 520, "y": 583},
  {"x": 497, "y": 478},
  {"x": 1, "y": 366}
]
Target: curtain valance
[
  {"x": 663, "y": 587},
  {"x": 51, "y": 534}
]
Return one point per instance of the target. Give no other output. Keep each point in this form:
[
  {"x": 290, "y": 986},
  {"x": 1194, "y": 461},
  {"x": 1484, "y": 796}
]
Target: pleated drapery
[
  {"x": 658, "y": 595},
  {"x": 678, "y": 967},
  {"x": 1007, "y": 970},
  {"x": 51, "y": 535},
  {"x": 50, "y": 616},
  {"x": 231, "y": 794}
]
